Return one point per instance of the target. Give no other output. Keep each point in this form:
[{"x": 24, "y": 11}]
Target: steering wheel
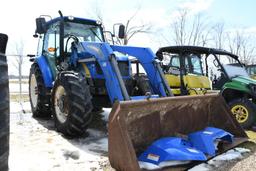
[{"x": 69, "y": 37}]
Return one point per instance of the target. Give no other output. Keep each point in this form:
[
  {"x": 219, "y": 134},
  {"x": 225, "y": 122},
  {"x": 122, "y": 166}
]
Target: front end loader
[
  {"x": 77, "y": 71},
  {"x": 134, "y": 125}
]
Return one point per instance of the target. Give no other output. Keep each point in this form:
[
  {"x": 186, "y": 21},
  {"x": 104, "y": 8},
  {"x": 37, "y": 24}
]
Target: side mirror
[
  {"x": 41, "y": 25},
  {"x": 121, "y": 31},
  {"x": 159, "y": 56}
]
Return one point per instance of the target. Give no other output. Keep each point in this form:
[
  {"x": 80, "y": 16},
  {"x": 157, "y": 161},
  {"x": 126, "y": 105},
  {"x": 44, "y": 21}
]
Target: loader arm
[
  {"x": 147, "y": 60},
  {"x": 103, "y": 53}
]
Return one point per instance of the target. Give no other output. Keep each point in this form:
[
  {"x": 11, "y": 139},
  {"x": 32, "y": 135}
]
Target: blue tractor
[{"x": 76, "y": 72}]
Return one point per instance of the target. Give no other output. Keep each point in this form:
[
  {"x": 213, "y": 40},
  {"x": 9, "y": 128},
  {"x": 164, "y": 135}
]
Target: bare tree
[
  {"x": 131, "y": 29},
  {"x": 96, "y": 11},
  {"x": 241, "y": 45},
  {"x": 187, "y": 33},
  {"x": 218, "y": 35},
  {"x": 17, "y": 53},
  {"x": 179, "y": 27}
]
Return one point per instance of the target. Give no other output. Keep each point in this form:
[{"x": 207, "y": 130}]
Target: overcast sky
[{"x": 17, "y": 17}]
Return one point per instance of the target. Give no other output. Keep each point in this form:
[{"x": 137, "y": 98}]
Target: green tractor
[
  {"x": 192, "y": 70},
  {"x": 4, "y": 107}
]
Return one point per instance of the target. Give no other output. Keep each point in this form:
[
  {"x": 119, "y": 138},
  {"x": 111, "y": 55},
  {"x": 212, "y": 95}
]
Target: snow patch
[
  {"x": 242, "y": 150},
  {"x": 15, "y": 88},
  {"x": 200, "y": 167},
  {"x": 233, "y": 154},
  {"x": 16, "y": 107},
  {"x": 148, "y": 166},
  {"x": 36, "y": 145}
]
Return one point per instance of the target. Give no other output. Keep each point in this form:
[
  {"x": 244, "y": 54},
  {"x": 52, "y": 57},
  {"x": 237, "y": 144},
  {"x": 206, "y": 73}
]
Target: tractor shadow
[
  {"x": 95, "y": 139},
  {"x": 48, "y": 123}
]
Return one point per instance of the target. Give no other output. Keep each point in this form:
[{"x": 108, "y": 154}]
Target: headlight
[
  {"x": 71, "y": 18},
  {"x": 252, "y": 88},
  {"x": 98, "y": 22}
]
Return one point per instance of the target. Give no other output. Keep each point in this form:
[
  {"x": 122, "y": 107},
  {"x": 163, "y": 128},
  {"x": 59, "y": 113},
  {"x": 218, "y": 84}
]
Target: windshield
[
  {"x": 232, "y": 67},
  {"x": 234, "y": 71},
  {"x": 192, "y": 63},
  {"x": 251, "y": 69},
  {"x": 83, "y": 32}
]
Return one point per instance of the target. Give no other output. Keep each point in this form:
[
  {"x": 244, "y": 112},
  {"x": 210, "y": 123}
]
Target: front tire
[
  {"x": 4, "y": 106},
  {"x": 72, "y": 104},
  {"x": 244, "y": 111},
  {"x": 39, "y": 95}
]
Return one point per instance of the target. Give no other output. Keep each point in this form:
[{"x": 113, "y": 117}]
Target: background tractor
[
  {"x": 251, "y": 69},
  {"x": 198, "y": 70},
  {"x": 4, "y": 107}
]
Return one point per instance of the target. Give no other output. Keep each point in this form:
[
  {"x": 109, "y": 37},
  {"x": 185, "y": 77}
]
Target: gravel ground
[{"x": 247, "y": 164}]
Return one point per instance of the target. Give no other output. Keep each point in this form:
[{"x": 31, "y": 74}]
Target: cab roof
[
  {"x": 73, "y": 19},
  {"x": 194, "y": 49}
]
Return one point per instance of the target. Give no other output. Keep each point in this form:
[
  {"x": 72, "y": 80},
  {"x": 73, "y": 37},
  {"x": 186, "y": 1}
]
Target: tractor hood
[
  {"x": 244, "y": 80},
  {"x": 242, "y": 83}
]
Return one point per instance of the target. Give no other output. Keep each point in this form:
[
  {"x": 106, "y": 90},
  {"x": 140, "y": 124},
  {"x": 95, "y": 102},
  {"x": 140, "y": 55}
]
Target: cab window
[{"x": 51, "y": 41}]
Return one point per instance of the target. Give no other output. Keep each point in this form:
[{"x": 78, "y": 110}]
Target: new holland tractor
[
  {"x": 76, "y": 71},
  {"x": 192, "y": 70},
  {"x": 4, "y": 105}
]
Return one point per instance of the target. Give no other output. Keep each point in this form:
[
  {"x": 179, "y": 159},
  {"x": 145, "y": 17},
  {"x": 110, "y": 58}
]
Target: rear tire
[
  {"x": 39, "y": 95},
  {"x": 71, "y": 104},
  {"x": 4, "y": 106},
  {"x": 244, "y": 112}
]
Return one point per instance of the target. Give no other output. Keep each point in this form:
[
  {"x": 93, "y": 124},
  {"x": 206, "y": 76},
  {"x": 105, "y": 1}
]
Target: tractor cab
[
  {"x": 184, "y": 72},
  {"x": 57, "y": 35}
]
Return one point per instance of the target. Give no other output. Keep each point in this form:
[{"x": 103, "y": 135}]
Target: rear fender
[
  {"x": 230, "y": 94},
  {"x": 46, "y": 71}
]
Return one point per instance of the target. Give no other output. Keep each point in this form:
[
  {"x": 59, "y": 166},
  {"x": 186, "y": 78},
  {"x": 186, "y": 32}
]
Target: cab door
[{"x": 51, "y": 50}]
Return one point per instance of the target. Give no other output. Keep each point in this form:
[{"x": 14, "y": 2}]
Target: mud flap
[{"x": 135, "y": 125}]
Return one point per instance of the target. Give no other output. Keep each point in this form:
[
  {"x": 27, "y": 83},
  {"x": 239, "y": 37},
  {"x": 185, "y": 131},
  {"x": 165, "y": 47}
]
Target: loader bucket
[{"x": 134, "y": 125}]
